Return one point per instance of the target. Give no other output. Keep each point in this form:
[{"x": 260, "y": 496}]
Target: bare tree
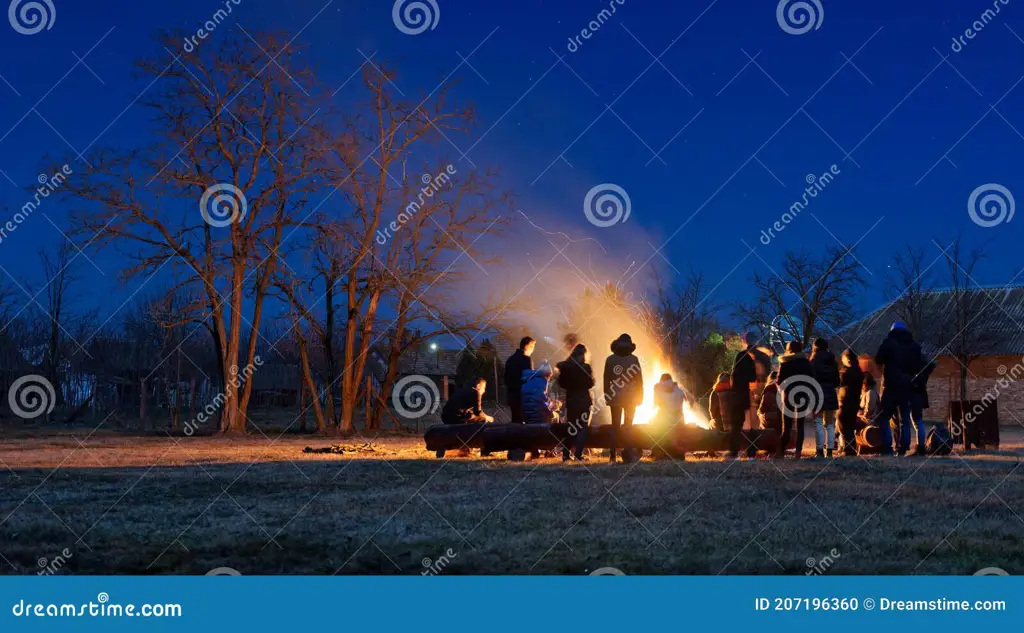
[
  {"x": 965, "y": 330},
  {"x": 236, "y": 157},
  {"x": 809, "y": 295},
  {"x": 908, "y": 284},
  {"x": 689, "y": 319},
  {"x": 59, "y": 274},
  {"x": 401, "y": 240}
]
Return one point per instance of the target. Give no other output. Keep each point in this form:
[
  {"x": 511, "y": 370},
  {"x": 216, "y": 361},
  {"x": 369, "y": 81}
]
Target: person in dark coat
[
  {"x": 919, "y": 401},
  {"x": 851, "y": 381},
  {"x": 826, "y": 372},
  {"x": 516, "y": 364},
  {"x": 744, "y": 372},
  {"x": 797, "y": 396},
  {"x": 577, "y": 379},
  {"x": 899, "y": 356},
  {"x": 466, "y": 405},
  {"x": 768, "y": 410},
  {"x": 727, "y": 415},
  {"x": 623, "y": 386}
]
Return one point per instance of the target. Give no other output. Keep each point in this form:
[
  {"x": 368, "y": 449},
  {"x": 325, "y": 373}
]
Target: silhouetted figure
[
  {"x": 623, "y": 386},
  {"x": 516, "y": 364}
]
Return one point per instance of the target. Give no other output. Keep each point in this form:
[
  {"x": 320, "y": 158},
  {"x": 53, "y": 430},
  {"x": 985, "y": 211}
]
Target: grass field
[{"x": 146, "y": 504}]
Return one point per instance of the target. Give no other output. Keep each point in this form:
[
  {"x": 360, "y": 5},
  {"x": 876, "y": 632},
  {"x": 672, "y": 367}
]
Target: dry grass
[{"x": 134, "y": 504}]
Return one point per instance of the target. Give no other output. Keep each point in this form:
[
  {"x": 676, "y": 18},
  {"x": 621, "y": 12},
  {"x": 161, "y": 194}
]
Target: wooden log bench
[{"x": 683, "y": 439}]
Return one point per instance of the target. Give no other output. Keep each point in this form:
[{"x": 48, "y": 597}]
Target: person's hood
[
  {"x": 824, "y": 356},
  {"x": 667, "y": 386},
  {"x": 570, "y": 364},
  {"x": 623, "y": 346},
  {"x": 901, "y": 335},
  {"x": 533, "y": 374},
  {"x": 788, "y": 357}
]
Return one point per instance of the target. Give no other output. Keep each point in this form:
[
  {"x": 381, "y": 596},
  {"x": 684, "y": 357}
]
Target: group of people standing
[
  {"x": 831, "y": 393},
  {"x": 842, "y": 394},
  {"x": 623, "y": 388}
]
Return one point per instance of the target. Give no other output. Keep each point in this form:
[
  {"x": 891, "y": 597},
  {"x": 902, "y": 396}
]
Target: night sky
[{"x": 709, "y": 114}]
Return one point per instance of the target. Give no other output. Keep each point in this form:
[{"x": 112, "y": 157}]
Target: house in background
[{"x": 998, "y": 344}]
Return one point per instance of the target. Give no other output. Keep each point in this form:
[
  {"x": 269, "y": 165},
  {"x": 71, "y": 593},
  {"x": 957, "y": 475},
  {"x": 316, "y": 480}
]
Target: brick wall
[{"x": 982, "y": 378}]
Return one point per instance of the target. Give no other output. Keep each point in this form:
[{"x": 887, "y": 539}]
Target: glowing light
[
  {"x": 433, "y": 347},
  {"x": 646, "y": 412}
]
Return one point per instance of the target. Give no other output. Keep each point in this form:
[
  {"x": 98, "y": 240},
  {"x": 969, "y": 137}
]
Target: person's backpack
[{"x": 939, "y": 441}]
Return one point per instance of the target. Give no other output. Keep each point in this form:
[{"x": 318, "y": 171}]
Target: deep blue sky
[{"x": 898, "y": 107}]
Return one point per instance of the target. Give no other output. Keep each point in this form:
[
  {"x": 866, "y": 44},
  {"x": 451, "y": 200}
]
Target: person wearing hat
[
  {"x": 899, "y": 356},
  {"x": 623, "y": 387}
]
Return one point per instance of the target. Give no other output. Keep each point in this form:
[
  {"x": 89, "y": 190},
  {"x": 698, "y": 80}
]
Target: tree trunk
[{"x": 310, "y": 386}]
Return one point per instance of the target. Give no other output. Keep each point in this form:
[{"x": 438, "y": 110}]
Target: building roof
[
  {"x": 441, "y": 362},
  {"x": 1000, "y": 321}
]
